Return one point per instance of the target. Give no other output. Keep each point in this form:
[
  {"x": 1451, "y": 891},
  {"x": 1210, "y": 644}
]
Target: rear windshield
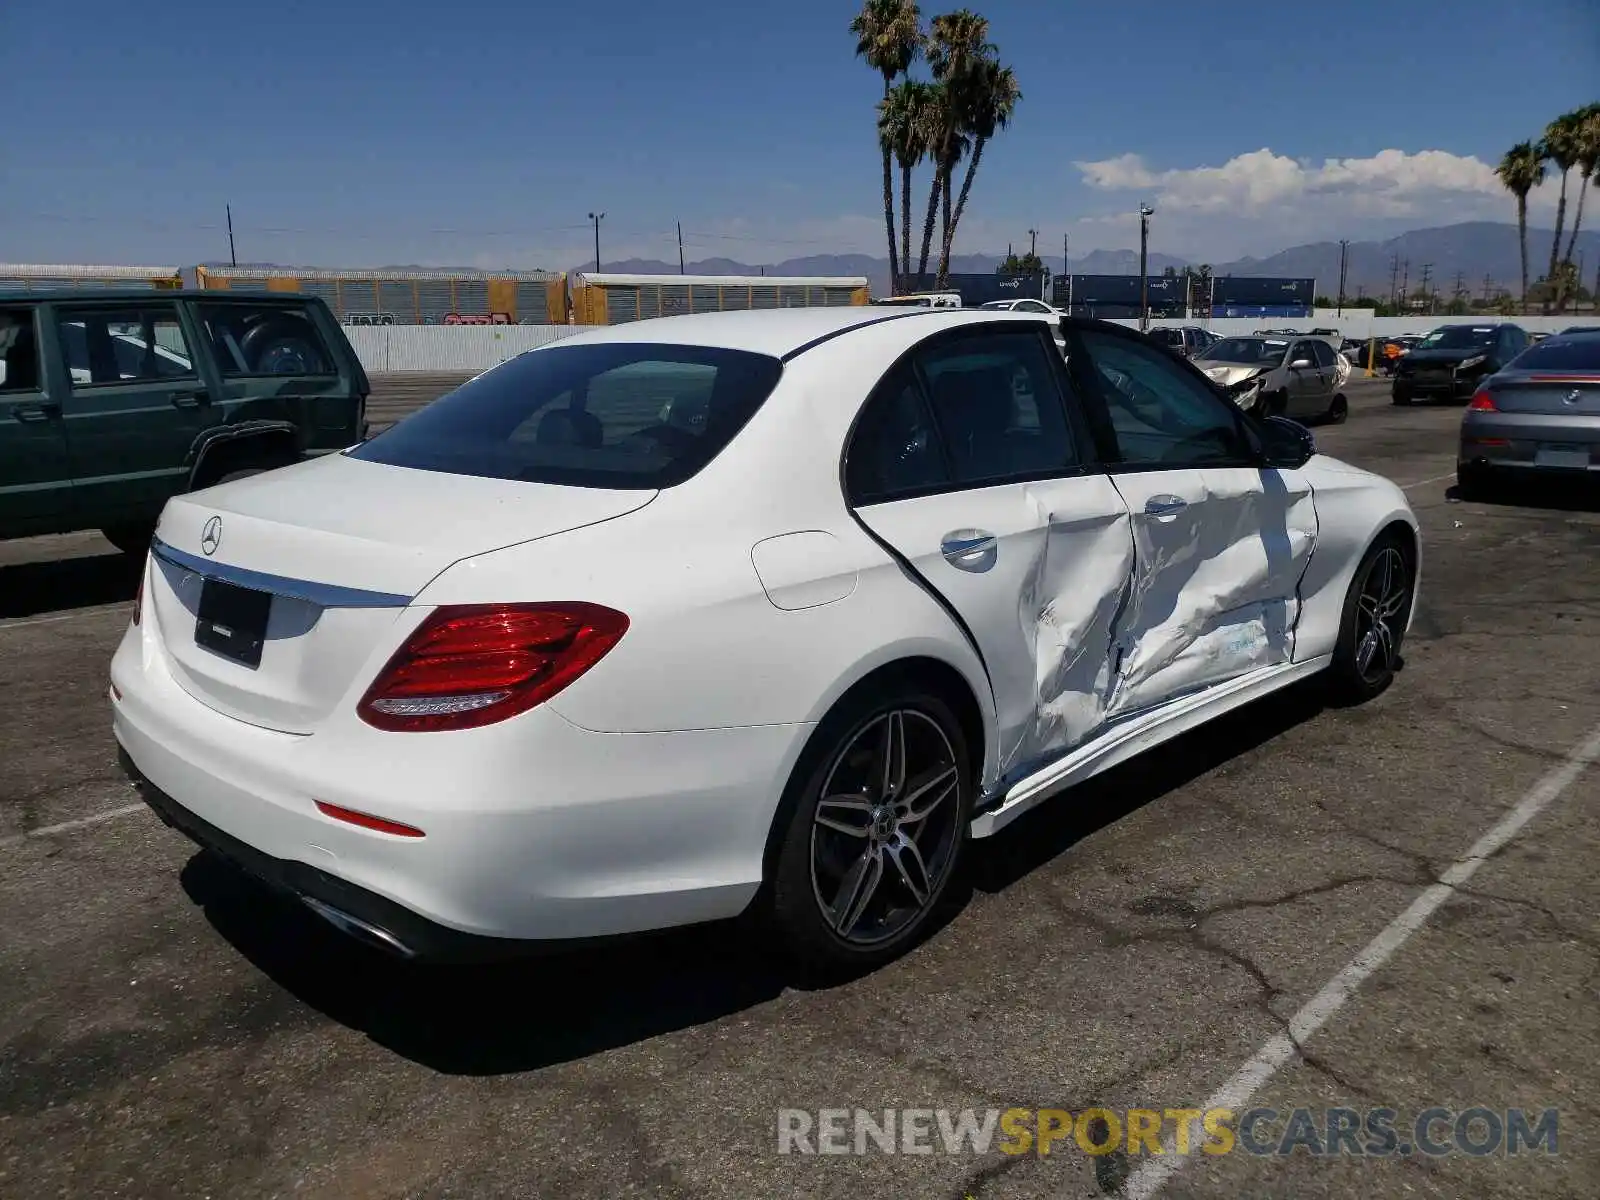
[
  {"x": 1578, "y": 354},
  {"x": 1460, "y": 337},
  {"x": 610, "y": 415},
  {"x": 1245, "y": 351}
]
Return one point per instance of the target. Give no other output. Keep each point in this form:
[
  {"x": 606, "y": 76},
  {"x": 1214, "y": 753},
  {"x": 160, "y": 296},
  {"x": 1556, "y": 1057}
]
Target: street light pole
[
  {"x": 597, "y": 218},
  {"x": 1145, "y": 213},
  {"x": 1344, "y": 251}
]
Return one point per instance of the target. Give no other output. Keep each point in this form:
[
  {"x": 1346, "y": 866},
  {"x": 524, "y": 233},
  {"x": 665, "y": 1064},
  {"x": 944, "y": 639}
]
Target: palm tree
[
  {"x": 991, "y": 100},
  {"x": 1588, "y": 162},
  {"x": 1522, "y": 170},
  {"x": 957, "y": 42},
  {"x": 888, "y": 35},
  {"x": 1560, "y": 147},
  {"x": 905, "y": 119}
]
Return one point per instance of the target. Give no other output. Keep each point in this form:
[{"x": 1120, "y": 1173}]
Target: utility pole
[
  {"x": 1066, "y": 254},
  {"x": 1394, "y": 276},
  {"x": 1344, "y": 256},
  {"x": 1405, "y": 281},
  {"x": 1145, "y": 213},
  {"x": 232, "y": 257},
  {"x": 1033, "y": 243},
  {"x": 1488, "y": 286},
  {"x": 597, "y": 218},
  {"x": 680, "y": 248},
  {"x": 1427, "y": 271}
]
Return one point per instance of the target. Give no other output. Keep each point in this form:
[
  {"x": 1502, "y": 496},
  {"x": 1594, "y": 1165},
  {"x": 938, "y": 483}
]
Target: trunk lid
[
  {"x": 341, "y": 546},
  {"x": 1552, "y": 394}
]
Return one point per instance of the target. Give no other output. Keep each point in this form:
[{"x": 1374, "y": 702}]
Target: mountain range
[{"x": 1474, "y": 249}]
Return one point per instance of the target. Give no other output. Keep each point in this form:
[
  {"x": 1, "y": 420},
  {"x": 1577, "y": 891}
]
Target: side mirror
[
  {"x": 1300, "y": 364},
  {"x": 1286, "y": 444}
]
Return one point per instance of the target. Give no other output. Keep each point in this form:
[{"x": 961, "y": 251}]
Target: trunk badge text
[
  {"x": 1573, "y": 396},
  {"x": 211, "y": 536}
]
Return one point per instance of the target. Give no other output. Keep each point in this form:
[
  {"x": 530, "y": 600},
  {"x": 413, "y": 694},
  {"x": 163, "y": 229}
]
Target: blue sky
[{"x": 351, "y": 132}]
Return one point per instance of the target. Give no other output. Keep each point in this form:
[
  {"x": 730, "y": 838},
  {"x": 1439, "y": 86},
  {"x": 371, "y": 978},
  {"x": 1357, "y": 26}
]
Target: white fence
[
  {"x": 384, "y": 348},
  {"x": 1361, "y": 323},
  {"x": 391, "y": 348}
]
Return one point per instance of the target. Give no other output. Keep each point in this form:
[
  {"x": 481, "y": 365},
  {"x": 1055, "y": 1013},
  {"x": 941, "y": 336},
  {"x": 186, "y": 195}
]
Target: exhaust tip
[{"x": 362, "y": 931}]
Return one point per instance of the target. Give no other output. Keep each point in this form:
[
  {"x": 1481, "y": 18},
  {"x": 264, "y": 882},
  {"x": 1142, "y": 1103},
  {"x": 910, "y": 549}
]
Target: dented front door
[{"x": 1220, "y": 543}]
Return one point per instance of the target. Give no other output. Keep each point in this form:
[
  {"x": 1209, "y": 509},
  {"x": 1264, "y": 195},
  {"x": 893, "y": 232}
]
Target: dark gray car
[{"x": 1540, "y": 414}]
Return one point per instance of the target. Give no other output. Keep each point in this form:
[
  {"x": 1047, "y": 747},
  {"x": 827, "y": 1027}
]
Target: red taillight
[
  {"x": 472, "y": 665},
  {"x": 368, "y": 821},
  {"x": 1482, "y": 402}
]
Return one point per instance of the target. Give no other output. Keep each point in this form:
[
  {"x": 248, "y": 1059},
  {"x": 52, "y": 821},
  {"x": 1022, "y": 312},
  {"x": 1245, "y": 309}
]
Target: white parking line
[
  {"x": 16, "y": 839},
  {"x": 1406, "y": 487},
  {"x": 1236, "y": 1092},
  {"x": 71, "y": 616}
]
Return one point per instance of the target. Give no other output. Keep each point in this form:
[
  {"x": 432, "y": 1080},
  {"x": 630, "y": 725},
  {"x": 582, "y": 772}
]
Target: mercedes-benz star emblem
[
  {"x": 211, "y": 536},
  {"x": 1573, "y": 396}
]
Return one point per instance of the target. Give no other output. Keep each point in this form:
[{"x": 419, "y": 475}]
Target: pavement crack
[{"x": 1549, "y": 915}]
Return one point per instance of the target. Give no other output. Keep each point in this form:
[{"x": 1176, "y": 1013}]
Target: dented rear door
[{"x": 967, "y": 466}]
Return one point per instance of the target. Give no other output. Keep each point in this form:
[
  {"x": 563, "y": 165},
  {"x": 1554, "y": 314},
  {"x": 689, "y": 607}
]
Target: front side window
[
  {"x": 265, "y": 339},
  {"x": 143, "y": 344},
  {"x": 1323, "y": 353},
  {"x": 895, "y": 451},
  {"x": 19, "y": 352},
  {"x": 625, "y": 415},
  {"x": 1161, "y": 416}
]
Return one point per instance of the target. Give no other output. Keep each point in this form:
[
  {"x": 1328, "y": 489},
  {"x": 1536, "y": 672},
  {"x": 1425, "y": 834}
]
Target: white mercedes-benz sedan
[{"x": 769, "y": 611}]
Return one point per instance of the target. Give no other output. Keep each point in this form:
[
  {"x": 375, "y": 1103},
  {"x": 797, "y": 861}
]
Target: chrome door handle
[
  {"x": 1164, "y": 506},
  {"x": 188, "y": 399},
  {"x": 967, "y": 548},
  {"x": 42, "y": 411}
]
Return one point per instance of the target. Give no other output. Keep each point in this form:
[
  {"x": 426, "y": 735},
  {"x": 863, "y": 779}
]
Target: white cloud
[{"x": 1392, "y": 183}]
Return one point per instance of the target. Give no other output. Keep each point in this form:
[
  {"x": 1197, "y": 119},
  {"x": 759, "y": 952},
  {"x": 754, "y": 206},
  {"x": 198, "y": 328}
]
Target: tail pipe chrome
[{"x": 362, "y": 931}]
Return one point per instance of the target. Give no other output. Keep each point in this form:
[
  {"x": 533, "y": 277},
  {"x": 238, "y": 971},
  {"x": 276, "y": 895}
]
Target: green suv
[{"x": 112, "y": 402}]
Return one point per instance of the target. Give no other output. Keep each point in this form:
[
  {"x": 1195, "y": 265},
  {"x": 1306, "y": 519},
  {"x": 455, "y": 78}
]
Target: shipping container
[
  {"x": 364, "y": 296},
  {"x": 980, "y": 288},
  {"x": 1235, "y": 291},
  {"x": 1261, "y": 310},
  {"x": 602, "y": 299},
  {"x": 57, "y": 277}
]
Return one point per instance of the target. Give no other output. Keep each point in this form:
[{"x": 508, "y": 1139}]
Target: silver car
[
  {"x": 1539, "y": 414},
  {"x": 1296, "y": 377}
]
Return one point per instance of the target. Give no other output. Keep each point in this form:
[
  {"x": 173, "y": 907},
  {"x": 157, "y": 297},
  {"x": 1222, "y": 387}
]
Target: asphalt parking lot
[{"x": 168, "y": 1029}]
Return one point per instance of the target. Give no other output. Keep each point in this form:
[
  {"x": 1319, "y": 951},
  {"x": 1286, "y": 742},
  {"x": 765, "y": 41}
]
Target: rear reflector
[
  {"x": 472, "y": 665},
  {"x": 368, "y": 821},
  {"x": 1482, "y": 402}
]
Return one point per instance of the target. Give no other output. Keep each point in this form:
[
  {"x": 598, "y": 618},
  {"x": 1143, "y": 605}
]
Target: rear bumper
[
  {"x": 536, "y": 830},
  {"x": 1568, "y": 445},
  {"x": 1447, "y": 387}
]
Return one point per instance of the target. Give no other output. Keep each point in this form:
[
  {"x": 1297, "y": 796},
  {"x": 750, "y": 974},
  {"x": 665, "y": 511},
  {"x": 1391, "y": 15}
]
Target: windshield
[
  {"x": 1255, "y": 352},
  {"x": 1460, "y": 337},
  {"x": 1579, "y": 354},
  {"x": 609, "y": 415}
]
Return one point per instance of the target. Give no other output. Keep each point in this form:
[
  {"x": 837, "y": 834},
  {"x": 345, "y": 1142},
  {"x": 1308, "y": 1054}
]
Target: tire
[
  {"x": 1365, "y": 660},
  {"x": 1270, "y": 404},
  {"x": 1399, "y": 395},
  {"x": 132, "y": 540},
  {"x": 1338, "y": 410},
  {"x": 820, "y": 924},
  {"x": 1473, "y": 483}
]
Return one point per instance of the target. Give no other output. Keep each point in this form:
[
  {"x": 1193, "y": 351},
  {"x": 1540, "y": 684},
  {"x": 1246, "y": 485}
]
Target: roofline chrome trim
[{"x": 327, "y": 595}]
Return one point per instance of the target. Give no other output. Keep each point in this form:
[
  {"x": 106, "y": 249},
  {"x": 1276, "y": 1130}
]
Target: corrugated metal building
[
  {"x": 362, "y": 296},
  {"x": 56, "y": 277},
  {"x": 601, "y": 299}
]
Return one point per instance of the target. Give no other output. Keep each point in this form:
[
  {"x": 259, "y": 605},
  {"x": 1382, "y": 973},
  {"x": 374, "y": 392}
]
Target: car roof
[{"x": 782, "y": 333}]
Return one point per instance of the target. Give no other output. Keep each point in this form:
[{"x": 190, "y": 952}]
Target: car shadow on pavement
[
  {"x": 31, "y": 589},
  {"x": 1557, "y": 495},
  {"x": 1062, "y": 822},
  {"x": 497, "y": 1018}
]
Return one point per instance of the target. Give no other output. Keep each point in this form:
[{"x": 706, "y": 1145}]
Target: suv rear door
[
  {"x": 285, "y": 359},
  {"x": 135, "y": 406},
  {"x": 35, "y": 474}
]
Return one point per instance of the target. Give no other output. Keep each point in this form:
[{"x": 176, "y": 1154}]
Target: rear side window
[
  {"x": 1579, "y": 354},
  {"x": 124, "y": 345},
  {"x": 611, "y": 415},
  {"x": 265, "y": 339}
]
